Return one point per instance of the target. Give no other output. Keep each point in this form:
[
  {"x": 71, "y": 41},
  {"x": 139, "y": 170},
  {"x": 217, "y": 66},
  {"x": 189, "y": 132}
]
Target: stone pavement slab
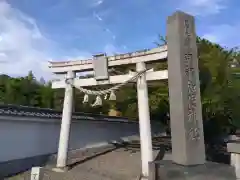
[{"x": 167, "y": 170}]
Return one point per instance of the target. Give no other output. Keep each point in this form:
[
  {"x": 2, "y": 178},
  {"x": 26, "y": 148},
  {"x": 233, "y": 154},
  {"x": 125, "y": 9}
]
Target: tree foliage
[{"x": 219, "y": 81}]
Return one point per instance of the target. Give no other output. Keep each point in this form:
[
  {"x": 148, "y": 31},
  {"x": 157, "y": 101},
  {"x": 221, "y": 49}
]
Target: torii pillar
[{"x": 66, "y": 123}]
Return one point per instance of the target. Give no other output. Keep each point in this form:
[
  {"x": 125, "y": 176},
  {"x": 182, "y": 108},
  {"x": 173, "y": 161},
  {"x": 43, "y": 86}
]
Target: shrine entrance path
[{"x": 120, "y": 164}]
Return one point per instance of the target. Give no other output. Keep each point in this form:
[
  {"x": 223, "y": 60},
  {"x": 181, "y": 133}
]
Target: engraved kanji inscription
[
  {"x": 190, "y": 72},
  {"x": 194, "y": 134}
]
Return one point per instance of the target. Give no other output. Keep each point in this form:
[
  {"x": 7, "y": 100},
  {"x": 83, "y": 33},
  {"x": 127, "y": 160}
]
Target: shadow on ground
[
  {"x": 214, "y": 153},
  {"x": 95, "y": 155},
  {"x": 159, "y": 144},
  {"x": 126, "y": 156}
]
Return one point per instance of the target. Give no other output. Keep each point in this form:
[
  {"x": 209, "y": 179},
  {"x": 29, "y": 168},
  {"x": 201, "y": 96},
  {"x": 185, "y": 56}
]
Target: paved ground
[
  {"x": 120, "y": 164},
  {"x": 123, "y": 163},
  {"x": 167, "y": 170}
]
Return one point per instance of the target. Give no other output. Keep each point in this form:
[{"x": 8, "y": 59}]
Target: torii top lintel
[{"x": 154, "y": 54}]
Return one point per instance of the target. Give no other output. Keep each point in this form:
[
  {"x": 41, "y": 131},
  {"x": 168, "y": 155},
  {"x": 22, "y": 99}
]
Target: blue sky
[{"x": 35, "y": 31}]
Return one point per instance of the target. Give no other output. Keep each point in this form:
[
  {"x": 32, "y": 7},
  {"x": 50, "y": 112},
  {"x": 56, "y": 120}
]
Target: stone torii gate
[{"x": 184, "y": 93}]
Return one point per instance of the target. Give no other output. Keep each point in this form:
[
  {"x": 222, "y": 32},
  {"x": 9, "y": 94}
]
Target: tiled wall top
[{"x": 25, "y": 111}]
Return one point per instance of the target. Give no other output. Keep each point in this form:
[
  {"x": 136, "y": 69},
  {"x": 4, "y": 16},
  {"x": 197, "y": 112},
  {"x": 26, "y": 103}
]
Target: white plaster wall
[{"x": 21, "y": 138}]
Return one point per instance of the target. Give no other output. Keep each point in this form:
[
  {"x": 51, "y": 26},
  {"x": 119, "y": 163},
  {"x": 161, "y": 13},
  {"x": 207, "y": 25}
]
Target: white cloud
[
  {"x": 203, "y": 7},
  {"x": 22, "y": 46},
  {"x": 211, "y": 37},
  {"x": 94, "y": 3},
  {"x": 224, "y": 34},
  {"x": 97, "y": 16},
  {"x": 98, "y": 2},
  {"x": 110, "y": 49}
]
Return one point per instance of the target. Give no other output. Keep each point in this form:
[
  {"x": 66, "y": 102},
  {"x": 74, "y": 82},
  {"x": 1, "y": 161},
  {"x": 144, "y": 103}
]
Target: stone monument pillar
[{"x": 184, "y": 90}]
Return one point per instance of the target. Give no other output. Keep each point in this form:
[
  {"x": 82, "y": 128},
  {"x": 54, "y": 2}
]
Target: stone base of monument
[{"x": 167, "y": 170}]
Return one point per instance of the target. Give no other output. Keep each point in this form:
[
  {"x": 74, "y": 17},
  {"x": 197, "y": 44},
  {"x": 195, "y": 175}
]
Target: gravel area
[
  {"x": 120, "y": 164},
  {"x": 123, "y": 163}
]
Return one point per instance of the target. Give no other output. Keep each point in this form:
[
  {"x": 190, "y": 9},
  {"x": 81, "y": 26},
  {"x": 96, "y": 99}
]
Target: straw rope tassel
[
  {"x": 86, "y": 98},
  {"x": 112, "y": 96},
  {"x": 98, "y": 101},
  {"x": 106, "y": 96}
]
